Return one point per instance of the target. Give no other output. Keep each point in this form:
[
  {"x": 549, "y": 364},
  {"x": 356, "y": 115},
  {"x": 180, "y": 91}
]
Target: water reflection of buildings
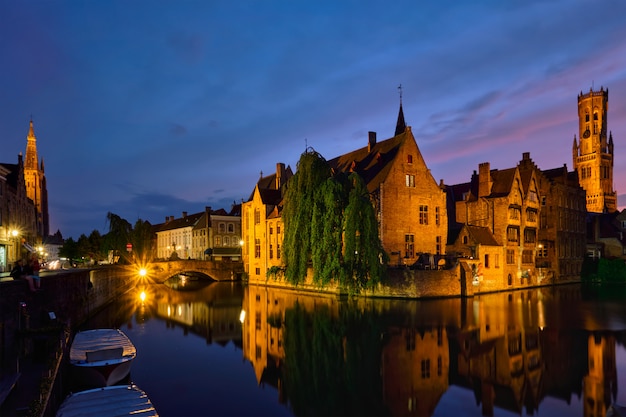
[
  {"x": 211, "y": 311},
  {"x": 414, "y": 368},
  {"x": 511, "y": 350},
  {"x": 600, "y": 383}
]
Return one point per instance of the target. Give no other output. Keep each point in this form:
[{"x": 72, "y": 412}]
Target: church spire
[
  {"x": 32, "y": 160},
  {"x": 400, "y": 125}
]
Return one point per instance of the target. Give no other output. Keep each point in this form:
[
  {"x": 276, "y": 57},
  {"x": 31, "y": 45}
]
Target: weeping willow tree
[
  {"x": 301, "y": 195},
  {"x": 330, "y": 225},
  {"x": 364, "y": 256}
]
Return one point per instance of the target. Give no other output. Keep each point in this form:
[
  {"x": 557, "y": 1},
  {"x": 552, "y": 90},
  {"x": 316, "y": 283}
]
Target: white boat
[
  {"x": 101, "y": 357},
  {"x": 118, "y": 400}
]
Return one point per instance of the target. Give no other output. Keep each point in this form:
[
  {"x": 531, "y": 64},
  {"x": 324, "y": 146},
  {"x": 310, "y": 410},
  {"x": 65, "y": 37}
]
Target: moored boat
[
  {"x": 101, "y": 357},
  {"x": 117, "y": 400}
]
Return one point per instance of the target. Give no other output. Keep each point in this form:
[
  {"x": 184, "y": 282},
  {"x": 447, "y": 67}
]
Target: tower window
[
  {"x": 409, "y": 159},
  {"x": 595, "y": 116}
]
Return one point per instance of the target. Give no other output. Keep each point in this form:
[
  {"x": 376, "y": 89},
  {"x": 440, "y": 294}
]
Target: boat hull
[
  {"x": 101, "y": 375},
  {"x": 101, "y": 357}
]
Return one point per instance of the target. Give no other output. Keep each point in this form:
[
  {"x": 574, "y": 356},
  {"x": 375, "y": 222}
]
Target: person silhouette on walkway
[{"x": 20, "y": 272}]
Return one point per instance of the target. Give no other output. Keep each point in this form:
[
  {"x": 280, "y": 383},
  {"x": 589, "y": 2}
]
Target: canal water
[{"x": 227, "y": 349}]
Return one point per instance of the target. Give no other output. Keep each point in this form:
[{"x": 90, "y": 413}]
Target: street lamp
[{"x": 15, "y": 235}]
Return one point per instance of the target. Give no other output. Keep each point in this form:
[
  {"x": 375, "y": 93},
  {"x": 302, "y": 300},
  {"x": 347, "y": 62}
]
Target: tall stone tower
[
  {"x": 35, "y": 179},
  {"x": 593, "y": 156}
]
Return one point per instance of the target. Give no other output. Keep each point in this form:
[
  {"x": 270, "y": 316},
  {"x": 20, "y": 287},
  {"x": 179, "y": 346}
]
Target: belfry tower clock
[{"x": 593, "y": 155}]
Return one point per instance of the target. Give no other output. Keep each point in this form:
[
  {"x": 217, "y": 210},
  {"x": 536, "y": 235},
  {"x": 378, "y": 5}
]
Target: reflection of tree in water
[{"x": 331, "y": 362}]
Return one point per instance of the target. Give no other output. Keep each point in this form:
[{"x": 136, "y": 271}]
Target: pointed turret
[{"x": 400, "y": 124}]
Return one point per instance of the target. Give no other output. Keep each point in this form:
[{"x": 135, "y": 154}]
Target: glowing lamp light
[
  {"x": 242, "y": 316},
  {"x": 142, "y": 296},
  {"x": 143, "y": 272}
]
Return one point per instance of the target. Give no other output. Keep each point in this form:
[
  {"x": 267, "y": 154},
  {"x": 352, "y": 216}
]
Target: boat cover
[
  {"x": 116, "y": 400},
  {"x": 109, "y": 342}
]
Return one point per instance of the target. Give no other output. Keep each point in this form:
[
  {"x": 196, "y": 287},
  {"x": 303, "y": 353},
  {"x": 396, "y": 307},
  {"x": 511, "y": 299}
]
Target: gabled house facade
[
  {"x": 18, "y": 215},
  {"x": 498, "y": 201},
  {"x": 174, "y": 237},
  {"x": 262, "y": 228},
  {"x": 217, "y": 235},
  {"x": 409, "y": 204},
  {"x": 477, "y": 242},
  {"x": 561, "y": 234},
  {"x": 537, "y": 217}
]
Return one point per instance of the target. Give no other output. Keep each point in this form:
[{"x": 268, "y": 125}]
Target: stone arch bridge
[{"x": 216, "y": 270}]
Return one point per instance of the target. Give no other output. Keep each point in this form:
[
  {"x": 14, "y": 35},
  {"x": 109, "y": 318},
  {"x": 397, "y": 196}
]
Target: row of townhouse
[
  {"x": 207, "y": 235},
  {"x": 522, "y": 226},
  {"x": 24, "y": 223}
]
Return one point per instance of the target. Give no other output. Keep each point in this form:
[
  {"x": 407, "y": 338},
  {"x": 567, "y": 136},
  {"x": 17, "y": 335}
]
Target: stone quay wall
[
  {"x": 67, "y": 298},
  {"x": 400, "y": 283}
]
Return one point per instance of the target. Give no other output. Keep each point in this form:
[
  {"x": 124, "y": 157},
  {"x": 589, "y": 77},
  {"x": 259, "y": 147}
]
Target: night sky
[{"x": 150, "y": 108}]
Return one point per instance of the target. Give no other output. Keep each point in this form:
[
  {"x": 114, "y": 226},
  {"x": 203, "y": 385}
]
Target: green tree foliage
[
  {"x": 312, "y": 171},
  {"x": 364, "y": 254},
  {"x": 119, "y": 234},
  {"x": 97, "y": 246},
  {"x": 69, "y": 249},
  {"x": 141, "y": 238},
  {"x": 603, "y": 270},
  {"x": 330, "y": 225}
]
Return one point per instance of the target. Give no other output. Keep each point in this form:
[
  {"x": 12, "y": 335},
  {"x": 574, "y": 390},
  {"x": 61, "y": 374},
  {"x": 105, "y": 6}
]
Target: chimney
[
  {"x": 371, "y": 140},
  {"x": 280, "y": 168},
  {"x": 484, "y": 180},
  {"x": 184, "y": 214}
]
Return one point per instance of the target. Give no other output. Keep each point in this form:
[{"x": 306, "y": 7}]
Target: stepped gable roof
[
  {"x": 481, "y": 235},
  {"x": 372, "y": 163},
  {"x": 189, "y": 220}
]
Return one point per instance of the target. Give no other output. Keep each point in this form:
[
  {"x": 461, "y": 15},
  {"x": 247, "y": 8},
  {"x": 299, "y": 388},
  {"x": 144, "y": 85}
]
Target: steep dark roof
[
  {"x": 481, "y": 235},
  {"x": 371, "y": 163},
  {"x": 502, "y": 181},
  {"x": 269, "y": 182},
  {"x": 188, "y": 221}
]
